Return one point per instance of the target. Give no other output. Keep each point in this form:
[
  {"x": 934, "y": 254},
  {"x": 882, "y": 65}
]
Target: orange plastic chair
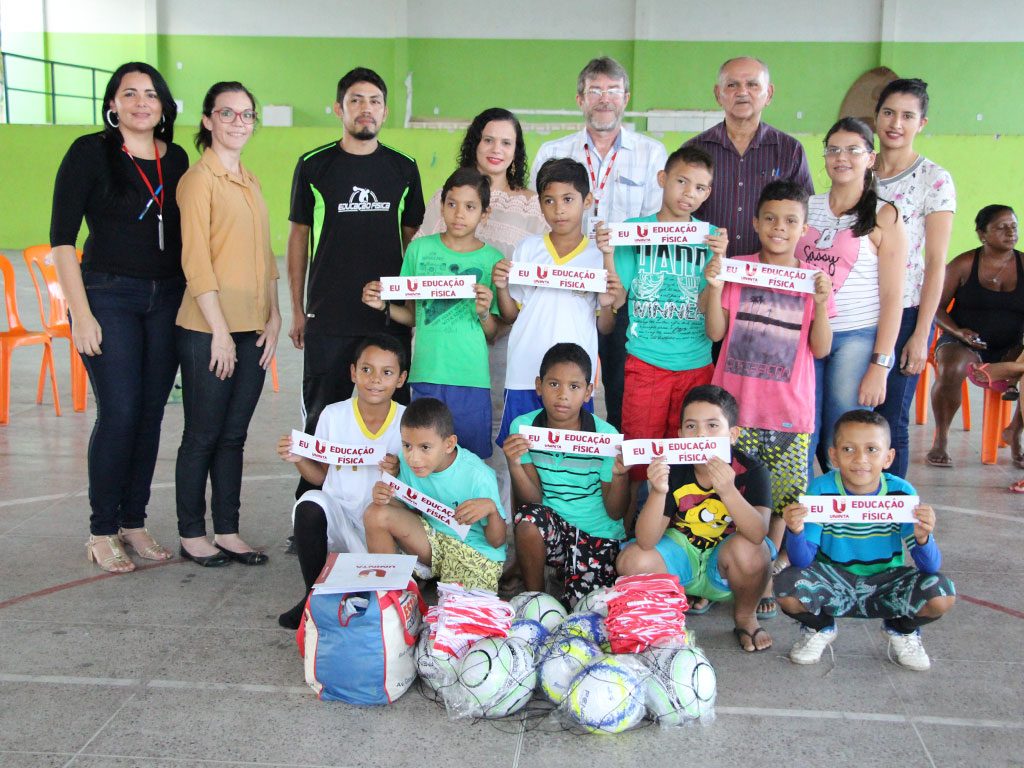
[
  {"x": 15, "y": 336},
  {"x": 922, "y": 394},
  {"x": 996, "y": 417},
  {"x": 273, "y": 374},
  {"x": 53, "y": 311}
]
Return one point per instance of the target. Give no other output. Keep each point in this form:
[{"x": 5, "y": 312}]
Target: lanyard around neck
[
  {"x": 158, "y": 193},
  {"x": 598, "y": 188}
]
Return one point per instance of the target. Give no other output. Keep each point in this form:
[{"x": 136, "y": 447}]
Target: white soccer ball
[
  {"x": 595, "y": 601},
  {"x": 560, "y": 660},
  {"x": 436, "y": 669},
  {"x": 496, "y": 677},
  {"x": 682, "y": 685},
  {"x": 587, "y": 625},
  {"x": 539, "y": 606},
  {"x": 531, "y": 632},
  {"x": 606, "y": 697}
]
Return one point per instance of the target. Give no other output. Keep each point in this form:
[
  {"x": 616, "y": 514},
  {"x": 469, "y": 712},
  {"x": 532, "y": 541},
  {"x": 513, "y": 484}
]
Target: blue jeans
[
  {"x": 899, "y": 394},
  {"x": 131, "y": 380},
  {"x": 837, "y": 387},
  {"x": 217, "y": 416}
]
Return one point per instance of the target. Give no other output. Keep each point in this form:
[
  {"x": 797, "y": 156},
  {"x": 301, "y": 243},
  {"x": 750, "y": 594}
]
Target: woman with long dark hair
[
  {"x": 123, "y": 298},
  {"x": 858, "y": 240},
  {"x": 494, "y": 146},
  {"x": 227, "y": 326}
]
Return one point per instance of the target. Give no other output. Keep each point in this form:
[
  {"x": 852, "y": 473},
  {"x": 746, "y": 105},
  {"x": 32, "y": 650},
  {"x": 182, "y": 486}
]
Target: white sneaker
[
  {"x": 422, "y": 571},
  {"x": 909, "y": 650},
  {"x": 810, "y": 645}
]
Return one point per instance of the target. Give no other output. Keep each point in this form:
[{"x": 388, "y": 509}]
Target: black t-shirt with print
[{"x": 355, "y": 206}]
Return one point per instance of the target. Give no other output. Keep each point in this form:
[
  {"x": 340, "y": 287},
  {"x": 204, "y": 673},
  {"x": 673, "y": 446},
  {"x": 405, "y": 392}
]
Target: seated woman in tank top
[{"x": 985, "y": 324}]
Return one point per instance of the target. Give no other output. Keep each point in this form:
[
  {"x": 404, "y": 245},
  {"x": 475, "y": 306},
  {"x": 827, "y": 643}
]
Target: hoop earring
[{"x": 110, "y": 122}]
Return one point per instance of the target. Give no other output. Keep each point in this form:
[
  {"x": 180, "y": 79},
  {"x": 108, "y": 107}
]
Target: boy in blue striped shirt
[{"x": 857, "y": 570}]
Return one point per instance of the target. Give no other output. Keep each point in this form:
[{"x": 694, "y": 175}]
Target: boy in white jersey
[
  {"x": 331, "y": 520},
  {"x": 543, "y": 317}
]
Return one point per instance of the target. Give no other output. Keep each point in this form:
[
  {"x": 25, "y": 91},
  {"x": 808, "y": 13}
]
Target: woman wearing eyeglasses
[
  {"x": 859, "y": 242},
  {"x": 228, "y": 325},
  {"x": 123, "y": 297}
]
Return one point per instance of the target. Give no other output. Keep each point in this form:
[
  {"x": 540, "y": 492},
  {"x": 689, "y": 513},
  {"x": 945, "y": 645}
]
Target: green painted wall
[
  {"x": 462, "y": 76},
  {"x": 985, "y": 169}
]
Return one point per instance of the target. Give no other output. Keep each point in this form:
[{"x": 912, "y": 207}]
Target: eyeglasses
[
  {"x": 612, "y": 93},
  {"x": 853, "y": 151},
  {"x": 227, "y": 115}
]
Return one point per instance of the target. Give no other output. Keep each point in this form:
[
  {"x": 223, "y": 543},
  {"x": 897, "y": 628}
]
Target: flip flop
[
  {"x": 977, "y": 374},
  {"x": 740, "y": 633},
  {"x": 1017, "y": 487},
  {"x": 767, "y": 614},
  {"x": 944, "y": 464},
  {"x": 691, "y": 611}
]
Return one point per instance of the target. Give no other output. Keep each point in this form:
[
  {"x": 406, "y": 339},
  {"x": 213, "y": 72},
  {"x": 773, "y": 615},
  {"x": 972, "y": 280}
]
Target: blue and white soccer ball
[
  {"x": 539, "y": 606},
  {"x": 682, "y": 686},
  {"x": 532, "y": 632},
  {"x": 587, "y": 625},
  {"x": 560, "y": 660},
  {"x": 606, "y": 697},
  {"x": 495, "y": 678},
  {"x": 436, "y": 669}
]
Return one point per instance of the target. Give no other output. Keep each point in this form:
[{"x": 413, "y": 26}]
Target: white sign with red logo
[
  {"x": 660, "y": 233},
  {"x": 860, "y": 509},
  {"x": 572, "y": 441},
  {"x": 428, "y": 287},
  {"x": 426, "y": 505},
  {"x": 355, "y": 572},
  {"x": 552, "y": 276},
  {"x": 679, "y": 450},
  {"x": 335, "y": 453},
  {"x": 767, "y": 275}
]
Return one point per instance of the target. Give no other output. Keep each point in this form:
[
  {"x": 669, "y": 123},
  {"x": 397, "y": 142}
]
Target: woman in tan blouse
[{"x": 227, "y": 325}]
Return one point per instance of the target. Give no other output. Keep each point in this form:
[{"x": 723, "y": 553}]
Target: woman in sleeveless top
[
  {"x": 859, "y": 242},
  {"x": 985, "y": 324}
]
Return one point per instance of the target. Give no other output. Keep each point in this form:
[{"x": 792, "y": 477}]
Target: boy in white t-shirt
[
  {"x": 331, "y": 520},
  {"x": 543, "y": 317}
]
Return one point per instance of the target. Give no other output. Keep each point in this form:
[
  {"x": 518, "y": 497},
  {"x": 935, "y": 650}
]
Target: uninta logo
[
  {"x": 542, "y": 273},
  {"x": 411, "y": 494},
  {"x": 839, "y": 507},
  {"x": 751, "y": 270},
  {"x": 641, "y": 231},
  {"x": 656, "y": 449},
  {"x": 412, "y": 285},
  {"x": 378, "y": 572},
  {"x": 552, "y": 437},
  {"x": 321, "y": 447}
]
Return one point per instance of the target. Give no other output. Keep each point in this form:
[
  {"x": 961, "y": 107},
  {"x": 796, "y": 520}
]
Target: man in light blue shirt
[{"x": 623, "y": 168}]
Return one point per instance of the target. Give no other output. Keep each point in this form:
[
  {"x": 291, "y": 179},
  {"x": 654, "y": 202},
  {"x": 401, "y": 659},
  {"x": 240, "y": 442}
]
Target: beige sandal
[
  {"x": 116, "y": 562},
  {"x": 150, "y": 549}
]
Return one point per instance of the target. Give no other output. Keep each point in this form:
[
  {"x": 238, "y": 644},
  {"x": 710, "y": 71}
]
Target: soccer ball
[
  {"x": 561, "y": 659},
  {"x": 588, "y": 625},
  {"x": 606, "y": 697},
  {"x": 533, "y": 633},
  {"x": 682, "y": 685},
  {"x": 593, "y": 602},
  {"x": 437, "y": 670},
  {"x": 495, "y": 678},
  {"x": 539, "y": 606}
]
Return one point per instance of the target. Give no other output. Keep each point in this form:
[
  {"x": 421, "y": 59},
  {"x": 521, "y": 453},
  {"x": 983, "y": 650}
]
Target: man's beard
[{"x": 365, "y": 133}]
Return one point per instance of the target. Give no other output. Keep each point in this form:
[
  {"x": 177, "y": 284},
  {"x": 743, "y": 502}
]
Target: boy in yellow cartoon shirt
[{"x": 708, "y": 523}]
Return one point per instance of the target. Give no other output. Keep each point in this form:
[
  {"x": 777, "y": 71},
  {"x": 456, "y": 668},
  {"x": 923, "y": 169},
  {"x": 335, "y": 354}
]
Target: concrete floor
[{"x": 178, "y": 665}]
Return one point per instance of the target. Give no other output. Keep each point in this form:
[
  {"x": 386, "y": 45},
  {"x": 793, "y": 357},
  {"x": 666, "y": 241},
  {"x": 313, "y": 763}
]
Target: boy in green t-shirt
[
  {"x": 571, "y": 505},
  {"x": 668, "y": 352},
  {"x": 450, "y": 361}
]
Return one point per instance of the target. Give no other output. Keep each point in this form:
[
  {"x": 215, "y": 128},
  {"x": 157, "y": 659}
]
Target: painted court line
[
  {"x": 155, "y": 486},
  {"x": 804, "y": 714}
]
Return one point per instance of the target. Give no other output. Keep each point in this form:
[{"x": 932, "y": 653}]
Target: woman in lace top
[{"x": 494, "y": 146}]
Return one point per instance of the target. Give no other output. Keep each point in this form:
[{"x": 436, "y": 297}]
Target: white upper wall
[{"x": 698, "y": 20}]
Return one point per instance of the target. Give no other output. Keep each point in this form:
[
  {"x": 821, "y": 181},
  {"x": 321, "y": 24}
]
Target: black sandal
[{"x": 741, "y": 633}]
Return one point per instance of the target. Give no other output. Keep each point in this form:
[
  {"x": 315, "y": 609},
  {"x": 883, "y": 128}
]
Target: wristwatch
[{"x": 886, "y": 361}]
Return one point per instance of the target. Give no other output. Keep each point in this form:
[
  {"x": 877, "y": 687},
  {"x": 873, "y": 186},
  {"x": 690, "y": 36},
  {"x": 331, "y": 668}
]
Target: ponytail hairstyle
[
  {"x": 865, "y": 208},
  {"x": 204, "y": 138}
]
